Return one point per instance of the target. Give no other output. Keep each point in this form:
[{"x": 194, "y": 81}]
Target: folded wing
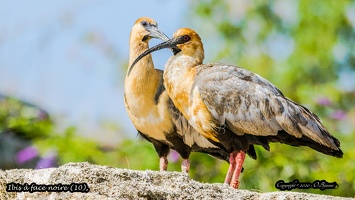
[{"x": 248, "y": 104}]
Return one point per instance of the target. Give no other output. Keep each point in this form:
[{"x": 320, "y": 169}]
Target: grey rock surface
[{"x": 112, "y": 183}]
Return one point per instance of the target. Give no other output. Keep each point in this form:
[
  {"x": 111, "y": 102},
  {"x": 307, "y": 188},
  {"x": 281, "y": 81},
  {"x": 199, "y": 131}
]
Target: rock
[{"x": 102, "y": 182}]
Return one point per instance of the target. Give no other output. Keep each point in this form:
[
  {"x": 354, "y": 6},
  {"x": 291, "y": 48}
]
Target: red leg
[
  {"x": 163, "y": 163},
  {"x": 239, "y": 159},
  {"x": 185, "y": 165},
  {"x": 231, "y": 167}
]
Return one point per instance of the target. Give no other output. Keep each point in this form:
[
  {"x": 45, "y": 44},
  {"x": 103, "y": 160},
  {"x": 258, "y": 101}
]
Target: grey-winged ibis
[{"x": 235, "y": 108}]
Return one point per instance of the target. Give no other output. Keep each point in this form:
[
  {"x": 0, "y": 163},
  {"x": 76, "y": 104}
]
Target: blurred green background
[{"x": 306, "y": 48}]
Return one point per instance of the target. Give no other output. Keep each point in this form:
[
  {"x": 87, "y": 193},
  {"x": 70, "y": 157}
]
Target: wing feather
[{"x": 252, "y": 105}]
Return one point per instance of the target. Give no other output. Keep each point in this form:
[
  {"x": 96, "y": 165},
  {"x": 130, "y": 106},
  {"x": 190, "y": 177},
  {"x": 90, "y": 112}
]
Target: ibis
[
  {"x": 151, "y": 110},
  {"x": 235, "y": 108}
]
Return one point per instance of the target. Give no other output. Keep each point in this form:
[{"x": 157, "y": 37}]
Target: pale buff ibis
[
  {"x": 150, "y": 108},
  {"x": 235, "y": 108}
]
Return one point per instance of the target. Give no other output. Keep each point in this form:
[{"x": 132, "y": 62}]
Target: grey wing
[{"x": 249, "y": 104}]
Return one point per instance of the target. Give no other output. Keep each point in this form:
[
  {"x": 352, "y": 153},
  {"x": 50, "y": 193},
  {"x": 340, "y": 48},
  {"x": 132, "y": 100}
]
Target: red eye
[{"x": 186, "y": 38}]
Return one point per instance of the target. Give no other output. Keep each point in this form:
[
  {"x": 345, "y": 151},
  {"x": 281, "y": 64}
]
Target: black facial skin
[
  {"x": 147, "y": 26},
  {"x": 164, "y": 45}
]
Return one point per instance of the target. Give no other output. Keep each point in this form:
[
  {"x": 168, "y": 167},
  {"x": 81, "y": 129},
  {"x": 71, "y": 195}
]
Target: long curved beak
[
  {"x": 155, "y": 32},
  {"x": 164, "y": 45}
]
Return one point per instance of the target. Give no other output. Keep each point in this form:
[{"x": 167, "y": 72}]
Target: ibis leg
[
  {"x": 239, "y": 159},
  {"x": 163, "y": 163},
  {"x": 231, "y": 168},
  {"x": 185, "y": 165}
]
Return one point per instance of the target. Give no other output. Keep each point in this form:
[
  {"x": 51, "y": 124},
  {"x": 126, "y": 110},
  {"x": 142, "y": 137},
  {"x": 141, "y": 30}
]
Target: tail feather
[
  {"x": 286, "y": 138},
  {"x": 307, "y": 129}
]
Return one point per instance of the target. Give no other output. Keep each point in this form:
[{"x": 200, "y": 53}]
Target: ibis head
[
  {"x": 185, "y": 41},
  {"x": 144, "y": 29}
]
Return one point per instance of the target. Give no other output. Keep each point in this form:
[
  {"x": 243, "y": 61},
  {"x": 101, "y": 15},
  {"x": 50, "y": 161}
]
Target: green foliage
[
  {"x": 28, "y": 121},
  {"x": 295, "y": 45},
  {"x": 33, "y": 125},
  {"x": 70, "y": 147},
  {"x": 137, "y": 155}
]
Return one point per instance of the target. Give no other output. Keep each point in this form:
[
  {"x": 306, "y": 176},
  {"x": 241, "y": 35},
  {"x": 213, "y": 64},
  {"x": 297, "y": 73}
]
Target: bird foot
[{"x": 235, "y": 184}]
